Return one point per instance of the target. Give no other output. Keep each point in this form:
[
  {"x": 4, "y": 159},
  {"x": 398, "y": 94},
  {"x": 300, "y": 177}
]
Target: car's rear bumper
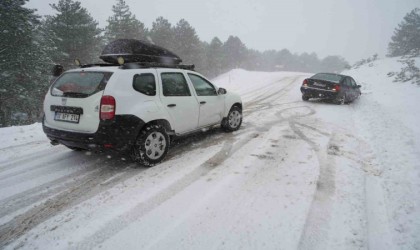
[
  {"x": 119, "y": 134},
  {"x": 319, "y": 93}
]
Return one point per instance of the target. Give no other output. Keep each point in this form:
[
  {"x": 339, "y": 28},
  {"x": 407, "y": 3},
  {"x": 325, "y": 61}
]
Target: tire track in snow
[
  {"x": 49, "y": 189},
  {"x": 82, "y": 190},
  {"x": 279, "y": 93},
  {"x": 15, "y": 162},
  {"x": 116, "y": 225},
  {"x": 39, "y": 167},
  {"x": 315, "y": 232}
]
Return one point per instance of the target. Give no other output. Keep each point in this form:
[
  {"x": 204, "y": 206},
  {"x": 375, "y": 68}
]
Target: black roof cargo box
[{"x": 138, "y": 51}]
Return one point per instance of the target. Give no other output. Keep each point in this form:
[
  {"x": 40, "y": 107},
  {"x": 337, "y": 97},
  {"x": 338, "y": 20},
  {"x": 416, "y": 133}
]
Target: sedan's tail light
[
  {"x": 305, "y": 83},
  {"x": 107, "y": 107},
  {"x": 336, "y": 88}
]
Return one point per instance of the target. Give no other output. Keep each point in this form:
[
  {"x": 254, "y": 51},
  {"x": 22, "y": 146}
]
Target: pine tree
[
  {"x": 162, "y": 33},
  {"x": 235, "y": 52},
  {"x": 123, "y": 24},
  {"x": 215, "y": 57},
  {"x": 74, "y": 34},
  {"x": 23, "y": 61},
  {"x": 187, "y": 45},
  {"x": 406, "y": 38}
]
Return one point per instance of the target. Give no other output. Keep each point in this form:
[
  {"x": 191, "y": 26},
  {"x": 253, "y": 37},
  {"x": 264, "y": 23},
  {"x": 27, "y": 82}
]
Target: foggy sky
[{"x": 354, "y": 29}]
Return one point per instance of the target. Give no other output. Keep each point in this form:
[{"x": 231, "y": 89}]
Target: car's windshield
[
  {"x": 328, "y": 77},
  {"x": 80, "y": 84}
]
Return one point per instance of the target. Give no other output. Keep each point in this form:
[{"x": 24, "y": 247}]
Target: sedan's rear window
[
  {"x": 327, "y": 77},
  {"x": 80, "y": 84}
]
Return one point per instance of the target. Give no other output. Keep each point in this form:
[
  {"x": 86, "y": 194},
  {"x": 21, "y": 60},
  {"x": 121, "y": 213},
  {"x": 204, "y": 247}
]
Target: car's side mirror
[
  {"x": 57, "y": 70},
  {"x": 221, "y": 91}
]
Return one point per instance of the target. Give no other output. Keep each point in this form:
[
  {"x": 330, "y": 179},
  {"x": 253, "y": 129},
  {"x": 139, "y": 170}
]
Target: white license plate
[
  {"x": 319, "y": 84},
  {"x": 64, "y": 117}
]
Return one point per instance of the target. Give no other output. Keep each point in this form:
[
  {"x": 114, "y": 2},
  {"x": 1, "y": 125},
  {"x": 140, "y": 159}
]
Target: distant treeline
[
  {"x": 31, "y": 44},
  {"x": 210, "y": 58}
]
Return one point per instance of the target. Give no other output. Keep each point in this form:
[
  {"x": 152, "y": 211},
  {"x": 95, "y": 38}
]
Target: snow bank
[
  {"x": 18, "y": 135},
  {"x": 401, "y": 99}
]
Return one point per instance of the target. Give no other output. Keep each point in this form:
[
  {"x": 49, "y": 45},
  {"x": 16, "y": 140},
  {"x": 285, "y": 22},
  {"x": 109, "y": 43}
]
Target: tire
[
  {"x": 75, "y": 148},
  {"x": 341, "y": 100},
  {"x": 233, "y": 121},
  {"x": 151, "y": 146},
  {"x": 305, "y": 98}
]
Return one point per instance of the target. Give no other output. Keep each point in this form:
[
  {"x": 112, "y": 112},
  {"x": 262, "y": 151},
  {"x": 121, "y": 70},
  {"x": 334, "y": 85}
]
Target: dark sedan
[{"x": 338, "y": 88}]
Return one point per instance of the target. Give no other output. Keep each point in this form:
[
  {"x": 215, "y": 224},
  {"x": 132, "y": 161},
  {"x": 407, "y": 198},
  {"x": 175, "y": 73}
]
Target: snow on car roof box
[{"x": 133, "y": 50}]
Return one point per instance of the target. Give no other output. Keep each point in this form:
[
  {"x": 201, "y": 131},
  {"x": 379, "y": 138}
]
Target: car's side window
[
  {"x": 201, "y": 86},
  {"x": 145, "y": 84},
  {"x": 347, "y": 82},
  {"x": 174, "y": 84},
  {"x": 353, "y": 82}
]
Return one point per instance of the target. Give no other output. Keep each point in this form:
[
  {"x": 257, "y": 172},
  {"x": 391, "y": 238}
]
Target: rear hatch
[{"x": 73, "y": 101}]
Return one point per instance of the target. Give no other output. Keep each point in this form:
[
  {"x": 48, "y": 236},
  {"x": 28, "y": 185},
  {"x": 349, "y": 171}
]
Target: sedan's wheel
[
  {"x": 233, "y": 120},
  {"x": 341, "y": 100},
  {"x": 151, "y": 145},
  {"x": 305, "y": 97}
]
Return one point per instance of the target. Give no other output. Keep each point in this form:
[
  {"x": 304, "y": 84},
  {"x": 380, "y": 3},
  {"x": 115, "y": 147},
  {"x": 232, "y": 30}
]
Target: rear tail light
[
  {"x": 305, "y": 83},
  {"x": 336, "y": 88},
  {"x": 107, "y": 107}
]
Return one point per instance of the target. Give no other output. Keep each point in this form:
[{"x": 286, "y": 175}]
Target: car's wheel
[
  {"x": 341, "y": 100},
  {"x": 305, "y": 97},
  {"x": 75, "y": 148},
  {"x": 151, "y": 146},
  {"x": 234, "y": 119}
]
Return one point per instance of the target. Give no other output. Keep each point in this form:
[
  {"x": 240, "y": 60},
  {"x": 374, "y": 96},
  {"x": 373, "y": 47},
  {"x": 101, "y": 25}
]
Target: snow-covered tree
[
  {"x": 162, "y": 33},
  {"x": 123, "y": 24},
  {"x": 406, "y": 38},
  {"x": 24, "y": 62},
  {"x": 235, "y": 52},
  {"x": 215, "y": 57},
  {"x": 187, "y": 44},
  {"x": 74, "y": 34}
]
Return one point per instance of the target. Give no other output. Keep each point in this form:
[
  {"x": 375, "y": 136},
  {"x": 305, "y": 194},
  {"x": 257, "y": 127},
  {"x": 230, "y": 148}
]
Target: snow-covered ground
[{"x": 297, "y": 175}]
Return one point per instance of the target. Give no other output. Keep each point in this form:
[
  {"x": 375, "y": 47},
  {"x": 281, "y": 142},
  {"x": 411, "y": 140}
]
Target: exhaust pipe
[{"x": 54, "y": 142}]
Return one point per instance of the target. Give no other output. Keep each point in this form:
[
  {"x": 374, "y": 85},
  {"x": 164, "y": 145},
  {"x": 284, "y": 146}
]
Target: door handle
[
  {"x": 171, "y": 105},
  {"x": 203, "y": 102}
]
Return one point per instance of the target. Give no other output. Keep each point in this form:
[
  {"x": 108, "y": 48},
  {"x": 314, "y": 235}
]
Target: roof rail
[
  {"x": 141, "y": 65},
  {"x": 99, "y": 65}
]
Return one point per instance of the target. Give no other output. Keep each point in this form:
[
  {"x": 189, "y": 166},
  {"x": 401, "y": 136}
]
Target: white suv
[{"x": 135, "y": 109}]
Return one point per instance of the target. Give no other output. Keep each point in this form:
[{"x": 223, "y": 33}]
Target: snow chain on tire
[
  {"x": 233, "y": 120},
  {"x": 151, "y": 146}
]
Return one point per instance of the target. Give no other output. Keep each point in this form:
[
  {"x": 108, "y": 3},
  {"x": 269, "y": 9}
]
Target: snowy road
[{"x": 297, "y": 175}]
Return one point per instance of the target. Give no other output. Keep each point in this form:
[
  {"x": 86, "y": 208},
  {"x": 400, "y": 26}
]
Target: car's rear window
[
  {"x": 80, "y": 84},
  {"x": 327, "y": 77}
]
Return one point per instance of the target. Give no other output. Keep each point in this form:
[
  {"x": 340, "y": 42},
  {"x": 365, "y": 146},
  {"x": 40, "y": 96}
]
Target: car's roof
[{"x": 331, "y": 74}]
